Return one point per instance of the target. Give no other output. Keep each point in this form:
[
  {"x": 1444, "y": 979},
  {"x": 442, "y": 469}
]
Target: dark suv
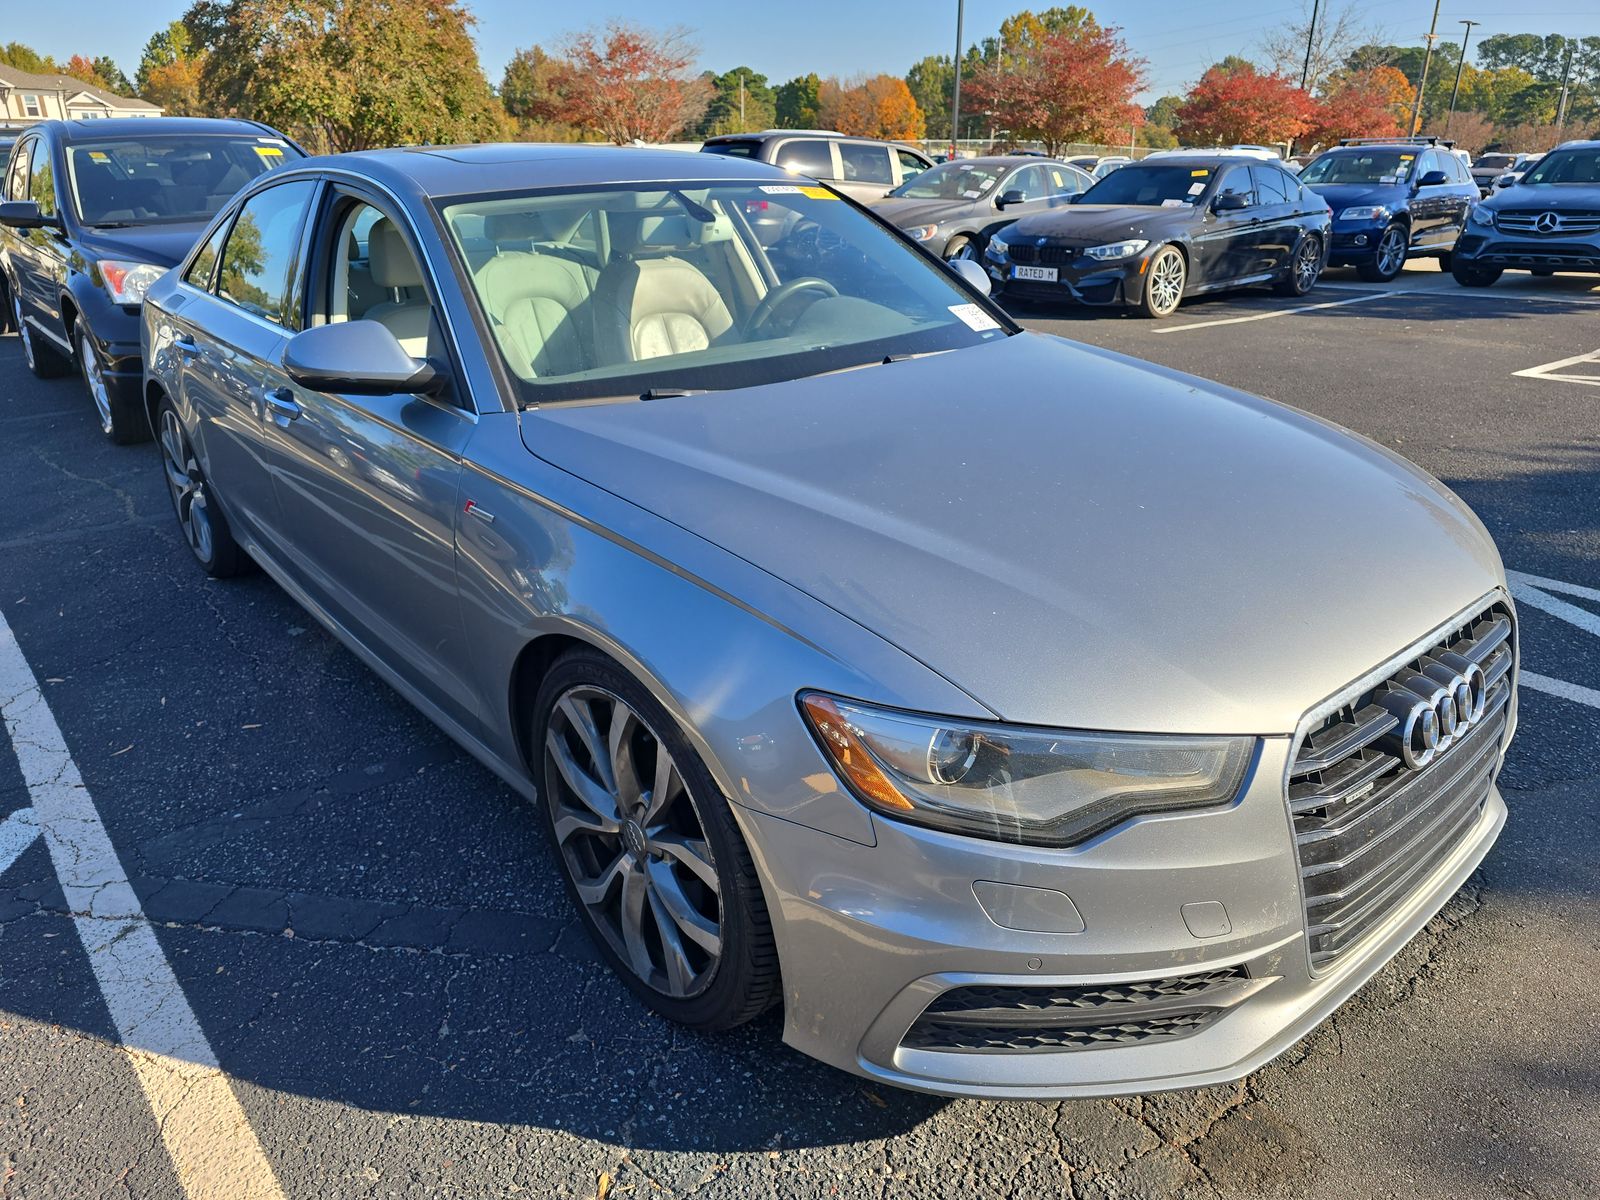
[
  {"x": 1392, "y": 199},
  {"x": 1547, "y": 221},
  {"x": 93, "y": 213}
]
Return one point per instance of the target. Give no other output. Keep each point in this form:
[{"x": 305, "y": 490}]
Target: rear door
[
  {"x": 1277, "y": 196},
  {"x": 867, "y": 170}
]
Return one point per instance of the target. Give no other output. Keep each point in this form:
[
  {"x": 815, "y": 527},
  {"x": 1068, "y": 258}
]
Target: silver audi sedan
[{"x": 1026, "y": 720}]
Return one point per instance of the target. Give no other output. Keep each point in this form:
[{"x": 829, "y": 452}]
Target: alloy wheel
[
  {"x": 965, "y": 252},
  {"x": 22, "y": 329},
  {"x": 1166, "y": 281},
  {"x": 1306, "y": 264},
  {"x": 94, "y": 379},
  {"x": 187, "y": 487},
  {"x": 1391, "y": 251},
  {"x": 632, "y": 841}
]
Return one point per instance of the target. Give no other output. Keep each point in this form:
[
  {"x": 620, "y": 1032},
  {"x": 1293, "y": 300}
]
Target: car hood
[
  {"x": 162, "y": 245},
  {"x": 1073, "y": 538},
  {"x": 1546, "y": 197},
  {"x": 905, "y": 213},
  {"x": 1091, "y": 224},
  {"x": 1348, "y": 195}
]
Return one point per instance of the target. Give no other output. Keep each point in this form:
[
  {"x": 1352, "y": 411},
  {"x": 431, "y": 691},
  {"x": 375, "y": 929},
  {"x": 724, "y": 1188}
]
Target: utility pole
[
  {"x": 1427, "y": 59},
  {"x": 1566, "y": 78},
  {"x": 1311, "y": 34},
  {"x": 955, "y": 103},
  {"x": 742, "y": 126},
  {"x": 1460, "y": 66}
]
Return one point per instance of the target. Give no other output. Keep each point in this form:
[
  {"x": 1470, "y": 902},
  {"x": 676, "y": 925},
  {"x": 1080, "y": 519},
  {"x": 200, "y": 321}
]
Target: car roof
[
  {"x": 498, "y": 167},
  {"x": 113, "y": 128}
]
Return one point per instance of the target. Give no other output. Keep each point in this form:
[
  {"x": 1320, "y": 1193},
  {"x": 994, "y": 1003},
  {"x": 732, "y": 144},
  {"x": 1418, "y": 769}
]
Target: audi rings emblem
[
  {"x": 1547, "y": 222},
  {"x": 1435, "y": 705}
]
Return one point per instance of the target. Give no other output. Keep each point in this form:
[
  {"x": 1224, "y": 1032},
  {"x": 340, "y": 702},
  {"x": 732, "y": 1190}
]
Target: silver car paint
[{"x": 1030, "y": 530}]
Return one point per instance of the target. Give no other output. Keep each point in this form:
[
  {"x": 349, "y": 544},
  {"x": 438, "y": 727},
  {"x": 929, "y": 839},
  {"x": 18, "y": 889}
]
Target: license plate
[{"x": 1041, "y": 274}]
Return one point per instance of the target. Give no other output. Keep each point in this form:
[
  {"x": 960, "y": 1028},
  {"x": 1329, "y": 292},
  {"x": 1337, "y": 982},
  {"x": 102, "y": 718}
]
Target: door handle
[
  {"x": 184, "y": 344},
  {"x": 281, "y": 404}
]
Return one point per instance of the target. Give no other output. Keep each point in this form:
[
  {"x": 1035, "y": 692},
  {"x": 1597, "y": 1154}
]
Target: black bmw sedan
[{"x": 1170, "y": 226}]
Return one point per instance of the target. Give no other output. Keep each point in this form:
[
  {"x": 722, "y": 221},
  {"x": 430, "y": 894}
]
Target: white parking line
[
  {"x": 1279, "y": 312},
  {"x": 1547, "y": 370},
  {"x": 1560, "y": 687},
  {"x": 214, "y": 1152},
  {"x": 16, "y": 834},
  {"x": 1532, "y": 591}
]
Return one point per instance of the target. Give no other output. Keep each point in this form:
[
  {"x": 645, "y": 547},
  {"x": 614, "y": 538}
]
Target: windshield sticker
[
  {"x": 268, "y": 153},
  {"x": 780, "y": 189},
  {"x": 818, "y": 193},
  {"x": 971, "y": 194},
  {"x": 985, "y": 184},
  {"x": 1196, "y": 188},
  {"x": 1200, "y": 174},
  {"x": 98, "y": 157},
  {"x": 272, "y": 141},
  {"x": 974, "y": 317},
  {"x": 1386, "y": 179},
  {"x": 1173, "y": 203}
]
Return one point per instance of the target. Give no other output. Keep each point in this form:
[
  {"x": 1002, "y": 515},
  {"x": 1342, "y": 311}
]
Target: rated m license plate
[{"x": 1039, "y": 274}]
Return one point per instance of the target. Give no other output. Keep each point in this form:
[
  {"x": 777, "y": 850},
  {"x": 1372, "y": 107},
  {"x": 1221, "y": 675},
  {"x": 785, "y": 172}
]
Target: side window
[
  {"x": 1237, "y": 179},
  {"x": 204, "y": 265},
  {"x": 1029, "y": 181},
  {"x": 910, "y": 164},
  {"x": 376, "y": 277},
  {"x": 1270, "y": 185},
  {"x": 866, "y": 164},
  {"x": 1063, "y": 182},
  {"x": 262, "y": 247},
  {"x": 42, "y": 178},
  {"x": 1462, "y": 174},
  {"x": 17, "y": 177},
  {"x": 806, "y": 156}
]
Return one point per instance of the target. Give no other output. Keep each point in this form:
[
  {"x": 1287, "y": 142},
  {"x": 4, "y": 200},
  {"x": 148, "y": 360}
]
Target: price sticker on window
[
  {"x": 974, "y": 317},
  {"x": 1200, "y": 174},
  {"x": 818, "y": 193}
]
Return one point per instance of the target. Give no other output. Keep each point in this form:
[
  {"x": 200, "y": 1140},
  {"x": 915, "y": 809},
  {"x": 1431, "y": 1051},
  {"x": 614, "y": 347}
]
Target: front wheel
[
  {"x": 659, "y": 871},
  {"x": 961, "y": 248},
  {"x": 204, "y": 527},
  {"x": 1164, "y": 281},
  {"x": 1390, "y": 256},
  {"x": 1470, "y": 276},
  {"x": 1446, "y": 261},
  {"x": 1304, "y": 269},
  {"x": 120, "y": 420}
]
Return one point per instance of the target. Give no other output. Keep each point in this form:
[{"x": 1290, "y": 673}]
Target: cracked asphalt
[{"x": 371, "y": 933}]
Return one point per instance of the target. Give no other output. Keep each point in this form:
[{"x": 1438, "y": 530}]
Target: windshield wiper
[
  {"x": 111, "y": 224},
  {"x": 671, "y": 393}
]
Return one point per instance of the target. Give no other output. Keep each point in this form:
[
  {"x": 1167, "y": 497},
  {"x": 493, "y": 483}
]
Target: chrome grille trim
[
  {"x": 1369, "y": 827},
  {"x": 1566, "y": 223}
]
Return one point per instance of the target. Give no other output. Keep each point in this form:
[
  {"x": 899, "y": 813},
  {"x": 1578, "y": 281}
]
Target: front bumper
[
  {"x": 1514, "y": 252},
  {"x": 1353, "y": 244},
  {"x": 1080, "y": 281},
  {"x": 870, "y": 935}
]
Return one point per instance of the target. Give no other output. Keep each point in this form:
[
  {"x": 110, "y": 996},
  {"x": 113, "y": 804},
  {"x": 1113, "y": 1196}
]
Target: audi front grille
[{"x": 1383, "y": 789}]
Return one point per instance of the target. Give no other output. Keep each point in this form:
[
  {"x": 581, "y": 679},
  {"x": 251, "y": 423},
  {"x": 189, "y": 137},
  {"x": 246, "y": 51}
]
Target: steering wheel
[{"x": 781, "y": 295}]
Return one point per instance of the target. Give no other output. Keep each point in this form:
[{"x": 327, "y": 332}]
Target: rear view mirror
[
  {"x": 25, "y": 214},
  {"x": 1506, "y": 180},
  {"x": 358, "y": 357},
  {"x": 970, "y": 273},
  {"x": 1014, "y": 196},
  {"x": 1230, "y": 202},
  {"x": 1433, "y": 179}
]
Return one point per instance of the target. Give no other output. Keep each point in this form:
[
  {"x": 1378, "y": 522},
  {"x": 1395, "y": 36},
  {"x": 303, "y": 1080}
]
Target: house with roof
[{"x": 26, "y": 98}]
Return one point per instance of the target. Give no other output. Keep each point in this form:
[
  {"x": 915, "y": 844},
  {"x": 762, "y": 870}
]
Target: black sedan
[
  {"x": 1171, "y": 226},
  {"x": 955, "y": 208}
]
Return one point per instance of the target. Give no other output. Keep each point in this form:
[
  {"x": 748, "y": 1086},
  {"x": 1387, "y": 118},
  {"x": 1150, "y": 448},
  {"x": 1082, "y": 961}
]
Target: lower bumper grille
[
  {"x": 1006, "y": 1019},
  {"x": 1387, "y": 787}
]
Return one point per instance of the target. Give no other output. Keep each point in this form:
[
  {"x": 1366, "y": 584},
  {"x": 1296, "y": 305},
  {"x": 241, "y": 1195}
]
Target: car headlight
[
  {"x": 1115, "y": 250},
  {"x": 998, "y": 246},
  {"x": 1013, "y": 784},
  {"x": 127, "y": 282},
  {"x": 1481, "y": 216},
  {"x": 1366, "y": 212},
  {"x": 920, "y": 233}
]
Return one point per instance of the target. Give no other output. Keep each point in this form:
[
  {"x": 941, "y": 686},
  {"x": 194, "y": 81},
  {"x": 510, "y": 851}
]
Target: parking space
[{"x": 370, "y": 934}]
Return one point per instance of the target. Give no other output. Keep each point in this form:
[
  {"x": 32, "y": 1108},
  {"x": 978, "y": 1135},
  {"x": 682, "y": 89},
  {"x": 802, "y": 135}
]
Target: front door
[{"x": 1227, "y": 249}]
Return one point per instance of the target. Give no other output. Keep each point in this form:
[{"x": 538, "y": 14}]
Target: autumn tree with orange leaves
[
  {"x": 1361, "y": 104},
  {"x": 1235, "y": 103},
  {"x": 880, "y": 107},
  {"x": 628, "y": 83},
  {"x": 1069, "y": 80}
]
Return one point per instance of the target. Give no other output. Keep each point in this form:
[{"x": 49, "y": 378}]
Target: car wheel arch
[{"x": 71, "y": 314}]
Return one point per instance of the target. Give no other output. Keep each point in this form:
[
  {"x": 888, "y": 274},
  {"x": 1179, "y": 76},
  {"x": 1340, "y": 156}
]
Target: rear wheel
[
  {"x": 204, "y": 527},
  {"x": 122, "y": 422},
  {"x": 43, "y": 360},
  {"x": 652, "y": 857},
  {"x": 1304, "y": 269},
  {"x": 1389, "y": 257},
  {"x": 1470, "y": 276},
  {"x": 1164, "y": 280}
]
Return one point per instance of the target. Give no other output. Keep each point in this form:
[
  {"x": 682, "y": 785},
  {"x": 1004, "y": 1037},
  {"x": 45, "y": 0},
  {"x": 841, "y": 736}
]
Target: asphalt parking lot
[{"x": 370, "y": 933}]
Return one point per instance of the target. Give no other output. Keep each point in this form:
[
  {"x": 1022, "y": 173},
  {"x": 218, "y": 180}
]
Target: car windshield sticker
[
  {"x": 1173, "y": 203},
  {"x": 1196, "y": 188},
  {"x": 985, "y": 184},
  {"x": 817, "y": 193},
  {"x": 1200, "y": 174},
  {"x": 1386, "y": 179},
  {"x": 97, "y": 156},
  {"x": 272, "y": 141},
  {"x": 974, "y": 317},
  {"x": 971, "y": 194},
  {"x": 268, "y": 154},
  {"x": 780, "y": 189}
]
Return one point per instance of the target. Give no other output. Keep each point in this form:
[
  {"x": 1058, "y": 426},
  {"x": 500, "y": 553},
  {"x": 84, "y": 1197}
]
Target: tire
[
  {"x": 1164, "y": 281},
  {"x": 44, "y": 360},
  {"x": 1445, "y": 260},
  {"x": 204, "y": 527},
  {"x": 1470, "y": 276},
  {"x": 1305, "y": 268},
  {"x": 6, "y": 320},
  {"x": 727, "y": 970},
  {"x": 120, "y": 420},
  {"x": 1389, "y": 257},
  {"x": 1542, "y": 272},
  {"x": 959, "y": 247}
]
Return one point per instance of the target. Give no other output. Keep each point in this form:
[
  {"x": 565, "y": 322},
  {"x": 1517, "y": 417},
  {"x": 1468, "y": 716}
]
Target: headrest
[
  {"x": 390, "y": 258},
  {"x": 514, "y": 227}
]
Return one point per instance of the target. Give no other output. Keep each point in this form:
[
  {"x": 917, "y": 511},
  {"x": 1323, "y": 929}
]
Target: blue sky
[{"x": 846, "y": 37}]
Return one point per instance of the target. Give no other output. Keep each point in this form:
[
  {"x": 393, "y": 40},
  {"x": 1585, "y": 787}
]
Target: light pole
[
  {"x": 955, "y": 103},
  {"x": 1311, "y": 33},
  {"x": 1427, "y": 59},
  {"x": 1460, "y": 66},
  {"x": 1566, "y": 78}
]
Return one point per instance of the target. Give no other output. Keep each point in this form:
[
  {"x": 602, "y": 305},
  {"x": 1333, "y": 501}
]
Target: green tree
[
  {"x": 347, "y": 74},
  {"x": 739, "y": 110},
  {"x": 26, "y": 58},
  {"x": 799, "y": 102},
  {"x": 932, "y": 82},
  {"x": 531, "y": 90}
]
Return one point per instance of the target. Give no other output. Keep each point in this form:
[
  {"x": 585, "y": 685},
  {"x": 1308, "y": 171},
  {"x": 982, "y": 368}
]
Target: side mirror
[
  {"x": 25, "y": 214},
  {"x": 970, "y": 273},
  {"x": 1433, "y": 179},
  {"x": 1509, "y": 179},
  {"x": 1230, "y": 202},
  {"x": 358, "y": 357},
  {"x": 1014, "y": 196}
]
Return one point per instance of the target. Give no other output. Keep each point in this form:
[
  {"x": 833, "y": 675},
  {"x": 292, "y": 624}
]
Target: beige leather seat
[
  {"x": 539, "y": 303},
  {"x": 650, "y": 303},
  {"x": 393, "y": 266}
]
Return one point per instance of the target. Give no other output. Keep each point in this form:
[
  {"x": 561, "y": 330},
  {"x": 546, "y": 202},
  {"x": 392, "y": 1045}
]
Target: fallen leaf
[{"x": 604, "y": 1188}]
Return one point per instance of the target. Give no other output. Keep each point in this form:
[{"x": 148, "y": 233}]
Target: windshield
[
  {"x": 1567, "y": 166},
  {"x": 1361, "y": 166},
  {"x": 733, "y": 149},
  {"x": 166, "y": 180},
  {"x": 951, "y": 181},
  {"x": 1152, "y": 185},
  {"x": 1492, "y": 162},
  {"x": 640, "y": 289}
]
